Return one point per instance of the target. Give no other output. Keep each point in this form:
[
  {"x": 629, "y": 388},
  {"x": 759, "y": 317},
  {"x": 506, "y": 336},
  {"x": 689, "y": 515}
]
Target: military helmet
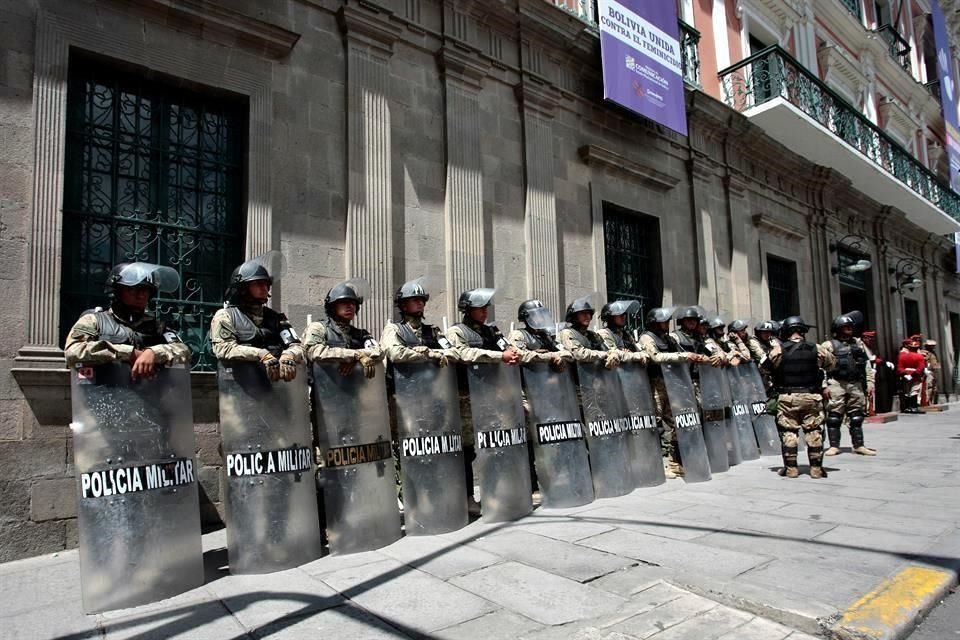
[
  {"x": 523, "y": 311},
  {"x": 619, "y": 308},
  {"x": 268, "y": 267},
  {"x": 716, "y": 323},
  {"x": 792, "y": 324},
  {"x": 658, "y": 314},
  {"x": 841, "y": 321},
  {"x": 766, "y": 325},
  {"x": 689, "y": 312},
  {"x": 475, "y": 299},
  {"x": 578, "y": 305},
  {"x": 411, "y": 289},
  {"x": 536, "y": 316},
  {"x": 348, "y": 290},
  {"x": 738, "y": 325},
  {"x": 145, "y": 274}
]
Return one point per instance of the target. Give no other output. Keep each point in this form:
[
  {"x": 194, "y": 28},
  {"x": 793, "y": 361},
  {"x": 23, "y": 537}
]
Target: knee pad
[{"x": 834, "y": 420}]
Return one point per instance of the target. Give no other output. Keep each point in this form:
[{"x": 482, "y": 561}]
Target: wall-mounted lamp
[
  {"x": 850, "y": 243},
  {"x": 904, "y": 274}
]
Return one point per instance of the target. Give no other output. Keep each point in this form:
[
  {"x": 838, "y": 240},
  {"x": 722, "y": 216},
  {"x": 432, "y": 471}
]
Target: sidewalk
[{"x": 748, "y": 555}]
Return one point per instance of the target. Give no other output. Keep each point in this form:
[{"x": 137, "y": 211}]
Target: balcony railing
[
  {"x": 583, "y": 9},
  {"x": 774, "y": 73},
  {"x": 934, "y": 89},
  {"x": 898, "y": 47},
  {"x": 854, "y": 7},
  {"x": 689, "y": 45}
]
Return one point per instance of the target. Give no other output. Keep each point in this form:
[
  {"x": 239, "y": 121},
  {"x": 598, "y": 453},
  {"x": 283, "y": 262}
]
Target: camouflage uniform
[
  {"x": 462, "y": 338},
  {"x": 619, "y": 338},
  {"x": 801, "y": 409},
  {"x": 663, "y": 350},
  {"x": 85, "y": 345},
  {"x": 361, "y": 342},
  {"x": 227, "y": 345},
  {"x": 847, "y": 382}
]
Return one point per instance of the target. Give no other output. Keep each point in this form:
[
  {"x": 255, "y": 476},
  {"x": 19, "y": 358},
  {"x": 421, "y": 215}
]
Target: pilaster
[
  {"x": 537, "y": 101},
  {"x": 368, "y": 246},
  {"x": 465, "y": 240}
]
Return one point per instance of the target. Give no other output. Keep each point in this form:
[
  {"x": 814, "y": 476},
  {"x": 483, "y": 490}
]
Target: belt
[{"x": 799, "y": 390}]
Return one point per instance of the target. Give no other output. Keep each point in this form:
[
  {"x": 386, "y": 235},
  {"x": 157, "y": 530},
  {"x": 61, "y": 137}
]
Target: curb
[{"x": 893, "y": 608}]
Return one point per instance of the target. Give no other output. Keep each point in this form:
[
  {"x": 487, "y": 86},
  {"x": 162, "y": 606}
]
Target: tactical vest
[
  {"x": 539, "y": 340},
  {"x": 686, "y": 343},
  {"x": 591, "y": 340},
  {"x": 273, "y": 334},
  {"x": 851, "y": 361},
  {"x": 148, "y": 333},
  {"x": 624, "y": 340},
  {"x": 430, "y": 336},
  {"x": 355, "y": 338},
  {"x": 488, "y": 337},
  {"x": 799, "y": 370},
  {"x": 664, "y": 344}
]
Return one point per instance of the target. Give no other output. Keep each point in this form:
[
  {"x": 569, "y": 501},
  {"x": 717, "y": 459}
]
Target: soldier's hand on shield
[
  {"x": 288, "y": 366},
  {"x": 369, "y": 365},
  {"x": 439, "y": 357},
  {"x": 424, "y": 351},
  {"x": 558, "y": 362},
  {"x": 613, "y": 359},
  {"x": 697, "y": 357},
  {"x": 716, "y": 360},
  {"x": 272, "y": 366},
  {"x": 826, "y": 393},
  {"x": 511, "y": 356},
  {"x": 145, "y": 364}
]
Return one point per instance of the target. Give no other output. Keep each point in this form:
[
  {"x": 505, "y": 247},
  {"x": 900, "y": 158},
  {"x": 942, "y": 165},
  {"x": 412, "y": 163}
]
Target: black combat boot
[
  {"x": 815, "y": 454},
  {"x": 834, "y": 422},
  {"x": 856, "y": 435}
]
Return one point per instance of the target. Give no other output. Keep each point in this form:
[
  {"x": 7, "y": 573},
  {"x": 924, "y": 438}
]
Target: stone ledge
[
  {"x": 883, "y": 418},
  {"x": 594, "y": 154}
]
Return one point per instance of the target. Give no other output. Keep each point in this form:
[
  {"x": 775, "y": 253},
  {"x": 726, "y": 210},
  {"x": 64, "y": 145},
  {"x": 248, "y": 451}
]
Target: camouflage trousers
[
  {"x": 846, "y": 397},
  {"x": 798, "y": 412},
  {"x": 665, "y": 423}
]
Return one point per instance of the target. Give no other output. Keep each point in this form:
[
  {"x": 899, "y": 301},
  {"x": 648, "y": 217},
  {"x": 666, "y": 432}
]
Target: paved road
[
  {"x": 748, "y": 555},
  {"x": 943, "y": 622}
]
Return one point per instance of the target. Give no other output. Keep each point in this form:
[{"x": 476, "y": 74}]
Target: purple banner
[
  {"x": 948, "y": 101},
  {"x": 642, "y": 59}
]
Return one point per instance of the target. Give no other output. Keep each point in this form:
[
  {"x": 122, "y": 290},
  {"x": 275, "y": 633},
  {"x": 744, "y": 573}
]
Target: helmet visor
[
  {"x": 629, "y": 308},
  {"x": 479, "y": 298},
  {"x": 540, "y": 318},
  {"x": 271, "y": 265},
  {"x": 145, "y": 273}
]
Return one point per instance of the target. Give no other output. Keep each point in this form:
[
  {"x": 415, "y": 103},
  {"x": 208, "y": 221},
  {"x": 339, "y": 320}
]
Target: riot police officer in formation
[
  {"x": 247, "y": 331},
  {"x": 847, "y": 383},
  {"x": 798, "y": 368},
  {"x": 662, "y": 348}
]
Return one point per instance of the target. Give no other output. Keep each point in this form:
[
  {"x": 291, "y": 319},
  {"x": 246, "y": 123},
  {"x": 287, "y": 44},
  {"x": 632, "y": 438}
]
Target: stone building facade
[{"x": 465, "y": 141}]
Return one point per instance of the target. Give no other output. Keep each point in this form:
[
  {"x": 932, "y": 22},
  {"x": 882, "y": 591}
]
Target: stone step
[{"x": 883, "y": 418}]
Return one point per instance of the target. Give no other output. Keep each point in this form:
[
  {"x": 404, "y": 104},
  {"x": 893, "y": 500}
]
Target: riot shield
[
  {"x": 271, "y": 494},
  {"x": 608, "y": 429},
  {"x": 496, "y": 404},
  {"x": 138, "y": 511},
  {"x": 715, "y": 400},
  {"x": 742, "y": 391},
  {"x": 431, "y": 448},
  {"x": 686, "y": 417},
  {"x": 563, "y": 468},
  {"x": 358, "y": 474},
  {"x": 764, "y": 424},
  {"x": 646, "y": 459}
]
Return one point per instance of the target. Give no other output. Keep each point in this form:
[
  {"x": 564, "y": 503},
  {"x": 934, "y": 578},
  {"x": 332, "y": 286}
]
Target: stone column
[
  {"x": 742, "y": 244},
  {"x": 368, "y": 246},
  {"x": 465, "y": 241},
  {"x": 537, "y": 101},
  {"x": 702, "y": 173}
]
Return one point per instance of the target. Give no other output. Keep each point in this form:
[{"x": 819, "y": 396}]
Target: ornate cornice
[
  {"x": 778, "y": 228},
  {"x": 219, "y": 24},
  {"x": 462, "y": 65},
  {"x": 369, "y": 25},
  {"x": 537, "y": 95},
  {"x": 592, "y": 154}
]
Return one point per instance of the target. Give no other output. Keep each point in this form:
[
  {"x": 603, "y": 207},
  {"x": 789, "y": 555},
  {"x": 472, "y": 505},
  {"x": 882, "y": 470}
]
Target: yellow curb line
[{"x": 891, "y": 609}]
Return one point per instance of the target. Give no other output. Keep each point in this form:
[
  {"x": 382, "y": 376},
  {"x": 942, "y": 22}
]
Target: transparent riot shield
[
  {"x": 732, "y": 436},
  {"x": 715, "y": 401},
  {"x": 431, "y": 448},
  {"x": 560, "y": 454},
  {"x": 496, "y": 404},
  {"x": 646, "y": 458},
  {"x": 138, "y": 510},
  {"x": 271, "y": 494},
  {"x": 686, "y": 417},
  {"x": 358, "y": 473},
  {"x": 742, "y": 391},
  {"x": 608, "y": 429},
  {"x": 764, "y": 424}
]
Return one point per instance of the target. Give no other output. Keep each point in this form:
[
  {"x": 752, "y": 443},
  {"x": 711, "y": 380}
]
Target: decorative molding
[
  {"x": 56, "y": 33},
  {"x": 840, "y": 68},
  {"x": 898, "y": 118},
  {"x": 541, "y": 234},
  {"x": 462, "y": 66},
  {"x": 536, "y": 95},
  {"x": 592, "y": 154},
  {"x": 736, "y": 186},
  {"x": 218, "y": 24},
  {"x": 369, "y": 25},
  {"x": 768, "y": 224}
]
